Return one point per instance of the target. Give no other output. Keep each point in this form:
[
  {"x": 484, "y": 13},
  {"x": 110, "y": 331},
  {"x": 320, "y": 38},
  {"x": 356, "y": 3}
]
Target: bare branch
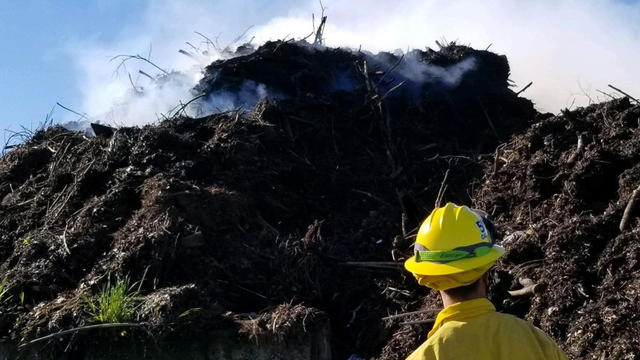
[
  {"x": 624, "y": 93},
  {"x": 82, "y": 116},
  {"x": 208, "y": 41},
  {"x": 391, "y": 69},
  {"x": 126, "y": 58},
  {"x": 392, "y": 90},
  {"x": 607, "y": 94},
  {"x": 181, "y": 109},
  {"x": 192, "y": 46},
  {"x": 442, "y": 189},
  {"x": 239, "y": 37},
  {"x": 323, "y": 21},
  {"x": 135, "y": 88},
  {"x": 318, "y": 39},
  {"x": 147, "y": 75},
  {"x": 83, "y": 328},
  {"x": 430, "y": 310},
  {"x": 524, "y": 88},
  {"x": 186, "y": 53}
]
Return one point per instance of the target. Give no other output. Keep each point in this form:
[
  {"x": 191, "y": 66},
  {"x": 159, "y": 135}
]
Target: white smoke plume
[{"x": 568, "y": 48}]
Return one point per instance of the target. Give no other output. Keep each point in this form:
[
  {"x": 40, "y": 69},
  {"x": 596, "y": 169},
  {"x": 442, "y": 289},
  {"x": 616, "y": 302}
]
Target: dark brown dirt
[
  {"x": 247, "y": 217},
  {"x": 561, "y": 210},
  {"x": 567, "y": 207}
]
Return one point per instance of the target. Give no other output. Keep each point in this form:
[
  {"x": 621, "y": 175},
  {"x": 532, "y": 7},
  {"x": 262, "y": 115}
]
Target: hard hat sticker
[{"x": 483, "y": 229}]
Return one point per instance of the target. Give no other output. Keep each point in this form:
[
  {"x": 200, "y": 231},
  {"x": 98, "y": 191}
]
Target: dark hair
[{"x": 463, "y": 291}]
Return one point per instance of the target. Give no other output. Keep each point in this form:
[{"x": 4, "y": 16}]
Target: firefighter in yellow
[{"x": 454, "y": 249}]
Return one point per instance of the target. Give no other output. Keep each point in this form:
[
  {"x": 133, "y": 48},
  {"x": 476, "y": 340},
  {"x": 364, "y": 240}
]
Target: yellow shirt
[{"x": 474, "y": 330}]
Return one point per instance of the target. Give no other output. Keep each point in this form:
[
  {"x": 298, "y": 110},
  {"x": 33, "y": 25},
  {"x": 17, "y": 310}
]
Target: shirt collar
[{"x": 462, "y": 310}]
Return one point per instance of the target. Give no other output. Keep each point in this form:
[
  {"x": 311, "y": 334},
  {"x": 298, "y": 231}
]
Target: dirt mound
[
  {"x": 561, "y": 189},
  {"x": 297, "y": 210}
]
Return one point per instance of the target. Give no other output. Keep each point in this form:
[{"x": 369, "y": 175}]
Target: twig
[
  {"x": 607, "y": 94},
  {"x": 524, "y": 88},
  {"x": 353, "y": 314},
  {"x": 391, "y": 69},
  {"x": 391, "y": 317},
  {"x": 441, "y": 191},
  {"x": 495, "y": 160},
  {"x": 239, "y": 37},
  {"x": 313, "y": 27},
  {"x": 83, "y": 328},
  {"x": 624, "y": 93},
  {"x": 323, "y": 21},
  {"x": 578, "y": 151},
  {"x": 418, "y": 322},
  {"x": 403, "y": 215},
  {"x": 126, "y": 58},
  {"x": 208, "y": 41},
  {"x": 251, "y": 291},
  {"x": 629, "y": 208},
  {"x": 82, "y": 116},
  {"x": 391, "y": 90},
  {"x": 192, "y": 46},
  {"x": 186, "y": 53},
  {"x": 135, "y": 88},
  {"x": 371, "y": 196},
  {"x": 147, "y": 75},
  {"x": 187, "y": 104},
  {"x": 64, "y": 239}
]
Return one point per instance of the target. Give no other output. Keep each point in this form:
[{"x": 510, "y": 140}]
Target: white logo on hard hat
[{"x": 483, "y": 230}]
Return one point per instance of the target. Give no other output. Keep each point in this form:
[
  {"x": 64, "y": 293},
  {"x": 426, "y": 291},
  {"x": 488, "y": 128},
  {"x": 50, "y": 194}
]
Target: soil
[
  {"x": 274, "y": 219},
  {"x": 565, "y": 208}
]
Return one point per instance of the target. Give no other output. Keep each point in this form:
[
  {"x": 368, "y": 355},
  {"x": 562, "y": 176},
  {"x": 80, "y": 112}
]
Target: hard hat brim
[{"x": 453, "y": 267}]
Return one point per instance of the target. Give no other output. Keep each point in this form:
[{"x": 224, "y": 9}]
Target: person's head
[{"x": 454, "y": 249}]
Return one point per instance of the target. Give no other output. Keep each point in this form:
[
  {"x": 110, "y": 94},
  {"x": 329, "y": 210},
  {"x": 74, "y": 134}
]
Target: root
[{"x": 529, "y": 288}]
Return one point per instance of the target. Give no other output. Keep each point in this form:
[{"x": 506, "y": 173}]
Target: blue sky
[
  {"x": 35, "y": 69},
  {"x": 49, "y": 47},
  {"x": 37, "y": 66}
]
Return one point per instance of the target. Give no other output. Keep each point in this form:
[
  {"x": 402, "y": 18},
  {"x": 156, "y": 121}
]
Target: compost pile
[
  {"x": 561, "y": 189},
  {"x": 299, "y": 210}
]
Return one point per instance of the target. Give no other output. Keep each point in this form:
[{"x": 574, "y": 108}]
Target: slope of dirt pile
[
  {"x": 243, "y": 218},
  {"x": 561, "y": 188}
]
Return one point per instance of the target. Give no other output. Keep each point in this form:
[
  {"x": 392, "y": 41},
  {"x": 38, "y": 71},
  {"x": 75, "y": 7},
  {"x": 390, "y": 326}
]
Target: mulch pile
[
  {"x": 562, "y": 188},
  {"x": 273, "y": 219}
]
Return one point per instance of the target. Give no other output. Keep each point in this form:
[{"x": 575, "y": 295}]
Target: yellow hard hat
[{"x": 454, "y": 239}]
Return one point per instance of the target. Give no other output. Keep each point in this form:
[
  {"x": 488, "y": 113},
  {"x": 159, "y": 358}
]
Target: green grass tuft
[
  {"x": 114, "y": 304},
  {"x": 4, "y": 291}
]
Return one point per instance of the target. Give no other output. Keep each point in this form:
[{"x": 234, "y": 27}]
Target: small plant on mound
[
  {"x": 4, "y": 290},
  {"x": 115, "y": 303}
]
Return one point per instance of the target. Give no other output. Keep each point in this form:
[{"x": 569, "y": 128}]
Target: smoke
[
  {"x": 414, "y": 70},
  {"x": 569, "y": 49},
  {"x": 117, "y": 93},
  {"x": 248, "y": 95}
]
